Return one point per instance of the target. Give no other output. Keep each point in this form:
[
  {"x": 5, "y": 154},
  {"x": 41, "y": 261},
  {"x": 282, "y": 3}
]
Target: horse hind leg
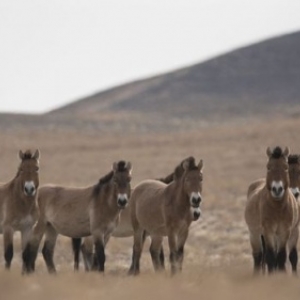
[
  {"x": 48, "y": 248},
  {"x": 293, "y": 253},
  {"x": 76, "y": 244},
  {"x": 89, "y": 257},
  {"x": 138, "y": 242},
  {"x": 155, "y": 251}
]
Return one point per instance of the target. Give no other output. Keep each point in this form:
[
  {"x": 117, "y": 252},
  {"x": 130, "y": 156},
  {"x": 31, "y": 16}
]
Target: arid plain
[{"x": 218, "y": 261}]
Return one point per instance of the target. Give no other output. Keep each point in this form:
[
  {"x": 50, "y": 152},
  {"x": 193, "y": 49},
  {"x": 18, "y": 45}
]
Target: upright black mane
[
  {"x": 27, "y": 155},
  {"x": 168, "y": 179},
  {"x": 293, "y": 159},
  {"x": 121, "y": 167},
  {"x": 102, "y": 181},
  {"x": 191, "y": 166},
  {"x": 277, "y": 153}
]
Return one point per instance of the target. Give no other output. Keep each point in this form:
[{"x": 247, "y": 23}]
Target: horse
[
  {"x": 294, "y": 174},
  {"x": 18, "y": 203},
  {"x": 79, "y": 212},
  {"x": 272, "y": 215},
  {"x": 123, "y": 230},
  {"x": 166, "y": 210}
]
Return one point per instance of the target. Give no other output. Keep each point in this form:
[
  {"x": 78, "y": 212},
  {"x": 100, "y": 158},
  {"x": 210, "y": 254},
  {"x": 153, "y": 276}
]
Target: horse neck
[
  {"x": 106, "y": 197},
  {"x": 176, "y": 194}
]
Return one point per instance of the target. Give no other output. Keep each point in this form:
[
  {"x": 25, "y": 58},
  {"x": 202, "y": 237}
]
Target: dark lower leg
[
  {"x": 76, "y": 243},
  {"x": 162, "y": 257},
  {"x": 8, "y": 255},
  {"x": 258, "y": 261},
  {"x": 155, "y": 256},
  {"x": 180, "y": 256},
  {"x": 48, "y": 251},
  {"x": 100, "y": 254},
  {"x": 270, "y": 259},
  {"x": 173, "y": 262},
  {"x": 281, "y": 259},
  {"x": 29, "y": 256},
  {"x": 293, "y": 257}
]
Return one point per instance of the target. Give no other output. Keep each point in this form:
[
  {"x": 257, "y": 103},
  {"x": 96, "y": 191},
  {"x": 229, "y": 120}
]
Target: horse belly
[
  {"x": 74, "y": 228},
  {"x": 151, "y": 220}
]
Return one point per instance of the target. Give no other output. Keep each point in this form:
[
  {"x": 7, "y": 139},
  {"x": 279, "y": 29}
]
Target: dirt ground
[{"x": 218, "y": 261}]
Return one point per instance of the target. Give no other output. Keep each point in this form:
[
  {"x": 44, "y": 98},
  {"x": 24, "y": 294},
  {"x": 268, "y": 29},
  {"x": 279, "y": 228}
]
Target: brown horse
[
  {"x": 18, "y": 205},
  {"x": 272, "y": 214},
  {"x": 79, "y": 212},
  {"x": 123, "y": 230},
  {"x": 294, "y": 174},
  {"x": 166, "y": 210}
]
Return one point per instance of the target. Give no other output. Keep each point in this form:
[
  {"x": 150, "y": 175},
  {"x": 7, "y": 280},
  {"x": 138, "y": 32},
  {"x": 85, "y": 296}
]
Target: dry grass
[{"x": 217, "y": 262}]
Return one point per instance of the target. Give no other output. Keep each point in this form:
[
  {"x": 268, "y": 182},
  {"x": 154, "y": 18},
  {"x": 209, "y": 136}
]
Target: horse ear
[
  {"x": 129, "y": 167},
  {"x": 21, "y": 154},
  {"x": 201, "y": 165},
  {"x": 115, "y": 166},
  {"x": 36, "y": 154},
  {"x": 185, "y": 165},
  {"x": 269, "y": 152},
  {"x": 286, "y": 152}
]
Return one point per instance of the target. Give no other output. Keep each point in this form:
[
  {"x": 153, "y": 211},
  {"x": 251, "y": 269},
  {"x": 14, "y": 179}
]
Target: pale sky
[{"x": 53, "y": 52}]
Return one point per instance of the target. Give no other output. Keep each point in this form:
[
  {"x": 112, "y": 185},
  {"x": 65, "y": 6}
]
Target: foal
[
  {"x": 18, "y": 205},
  {"x": 272, "y": 213},
  {"x": 166, "y": 210},
  {"x": 79, "y": 212}
]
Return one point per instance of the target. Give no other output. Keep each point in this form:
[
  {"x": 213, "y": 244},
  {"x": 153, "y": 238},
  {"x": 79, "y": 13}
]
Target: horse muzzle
[
  {"x": 29, "y": 188},
  {"x": 196, "y": 213},
  {"x": 277, "y": 190},
  {"x": 296, "y": 192},
  {"x": 195, "y": 199},
  {"x": 122, "y": 200}
]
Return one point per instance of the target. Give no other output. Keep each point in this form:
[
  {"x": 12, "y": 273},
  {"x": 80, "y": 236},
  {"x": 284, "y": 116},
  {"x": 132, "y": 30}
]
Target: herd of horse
[{"x": 155, "y": 208}]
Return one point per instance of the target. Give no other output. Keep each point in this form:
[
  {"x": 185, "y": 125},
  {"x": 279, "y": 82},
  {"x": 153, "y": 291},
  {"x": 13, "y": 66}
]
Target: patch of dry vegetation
[{"x": 218, "y": 259}]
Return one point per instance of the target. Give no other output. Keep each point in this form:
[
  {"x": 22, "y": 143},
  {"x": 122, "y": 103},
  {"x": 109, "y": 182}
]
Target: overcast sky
[{"x": 56, "y": 51}]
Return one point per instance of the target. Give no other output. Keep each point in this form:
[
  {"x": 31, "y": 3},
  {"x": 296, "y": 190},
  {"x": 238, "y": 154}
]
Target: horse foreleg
[
  {"x": 282, "y": 245},
  {"x": 8, "y": 233},
  {"x": 269, "y": 238},
  {"x": 173, "y": 251},
  {"x": 258, "y": 251},
  {"x": 181, "y": 242},
  {"x": 87, "y": 253},
  {"x": 31, "y": 249},
  {"x": 100, "y": 250}
]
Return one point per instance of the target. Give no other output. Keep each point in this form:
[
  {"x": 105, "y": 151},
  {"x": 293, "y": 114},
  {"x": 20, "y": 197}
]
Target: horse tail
[{"x": 263, "y": 260}]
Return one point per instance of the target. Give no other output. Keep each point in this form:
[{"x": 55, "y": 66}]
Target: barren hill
[
  {"x": 259, "y": 80},
  {"x": 256, "y": 79}
]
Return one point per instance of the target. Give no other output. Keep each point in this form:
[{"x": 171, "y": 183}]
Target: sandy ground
[{"x": 218, "y": 259}]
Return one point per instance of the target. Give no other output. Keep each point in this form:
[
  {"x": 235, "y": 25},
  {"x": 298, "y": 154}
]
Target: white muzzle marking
[
  {"x": 195, "y": 199},
  {"x": 277, "y": 189},
  {"x": 295, "y": 192},
  {"x": 195, "y": 213},
  {"x": 122, "y": 200},
  {"x": 29, "y": 188}
]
